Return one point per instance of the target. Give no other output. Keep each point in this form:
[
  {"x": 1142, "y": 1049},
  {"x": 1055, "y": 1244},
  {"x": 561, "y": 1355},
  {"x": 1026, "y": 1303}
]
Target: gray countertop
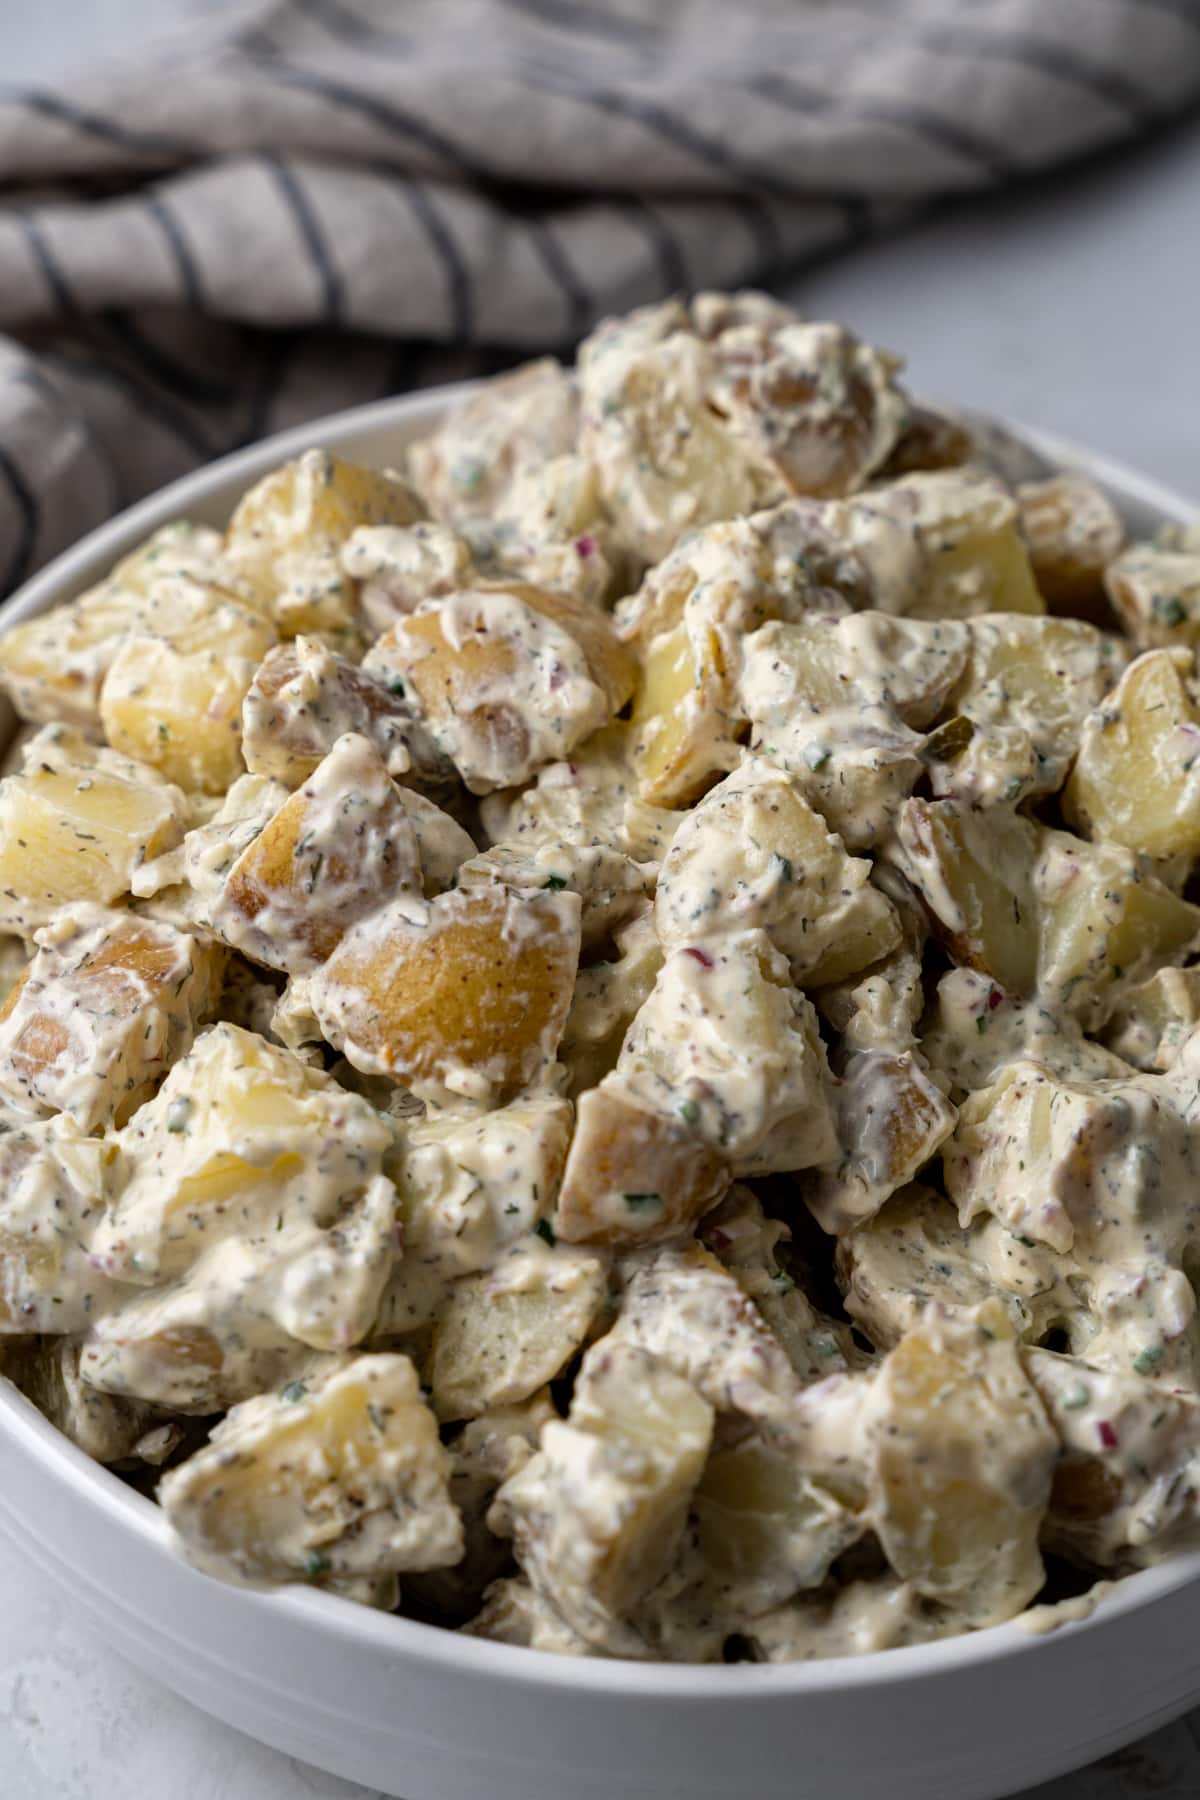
[{"x": 1073, "y": 307}]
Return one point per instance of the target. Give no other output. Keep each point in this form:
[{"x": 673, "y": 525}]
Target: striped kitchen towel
[{"x": 295, "y": 205}]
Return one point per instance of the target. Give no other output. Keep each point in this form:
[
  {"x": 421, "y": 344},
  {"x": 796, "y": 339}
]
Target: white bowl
[{"x": 430, "y": 1715}]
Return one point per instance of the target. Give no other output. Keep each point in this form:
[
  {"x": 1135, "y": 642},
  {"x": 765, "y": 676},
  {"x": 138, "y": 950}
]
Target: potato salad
[{"x": 602, "y": 1039}]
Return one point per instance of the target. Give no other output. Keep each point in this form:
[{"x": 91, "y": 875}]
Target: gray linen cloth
[{"x": 303, "y": 204}]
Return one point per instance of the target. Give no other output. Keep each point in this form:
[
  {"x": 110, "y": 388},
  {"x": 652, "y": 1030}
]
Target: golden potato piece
[
  {"x": 508, "y": 677},
  {"x": 634, "y": 1176},
  {"x": 973, "y": 557},
  {"x": 974, "y": 872},
  {"x": 340, "y": 848},
  {"x": 469, "y": 992},
  {"x": 502, "y": 1336},
  {"x": 107, "y": 1005},
  {"x": 1155, "y": 590},
  {"x": 173, "y": 699},
  {"x": 340, "y": 1474},
  {"x": 892, "y": 1119},
  {"x": 1136, "y": 779},
  {"x": 962, "y": 1465},
  {"x": 1152, "y": 1021},
  {"x": 520, "y": 420},
  {"x": 75, "y": 826},
  {"x": 48, "y": 1281},
  {"x": 1073, "y": 532},
  {"x": 53, "y": 666},
  {"x": 284, "y": 538},
  {"x": 304, "y": 697},
  {"x": 755, "y": 855}
]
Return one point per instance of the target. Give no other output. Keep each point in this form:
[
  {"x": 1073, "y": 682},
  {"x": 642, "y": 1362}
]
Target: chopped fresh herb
[
  {"x": 1078, "y": 1398},
  {"x": 545, "y": 1231},
  {"x": 293, "y": 1392},
  {"x": 981, "y": 1024},
  {"x": 512, "y": 1209},
  {"x": 556, "y": 883},
  {"x": 178, "y": 1113},
  {"x": 376, "y": 1415},
  {"x": 316, "y": 1563},
  {"x": 643, "y": 1203},
  {"x": 825, "y": 1346},
  {"x": 782, "y": 1282},
  {"x": 1027, "y": 1241},
  {"x": 1147, "y": 1360},
  {"x": 817, "y": 755},
  {"x": 396, "y": 685},
  {"x": 689, "y": 1111},
  {"x": 781, "y": 867},
  {"x": 1013, "y": 788},
  {"x": 1170, "y": 609}
]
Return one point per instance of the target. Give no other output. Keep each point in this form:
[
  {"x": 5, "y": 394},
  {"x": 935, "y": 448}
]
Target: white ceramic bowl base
[{"x": 430, "y": 1715}]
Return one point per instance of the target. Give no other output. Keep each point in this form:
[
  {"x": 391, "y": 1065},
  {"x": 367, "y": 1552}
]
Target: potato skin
[
  {"x": 633, "y": 1176},
  {"x": 469, "y": 992}
]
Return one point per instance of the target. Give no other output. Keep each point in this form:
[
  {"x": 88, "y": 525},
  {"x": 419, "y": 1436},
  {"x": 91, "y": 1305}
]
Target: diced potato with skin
[
  {"x": 469, "y": 1186},
  {"x": 1028, "y": 686},
  {"x": 690, "y": 1312},
  {"x": 514, "y": 1612},
  {"x": 184, "y": 883},
  {"x": 1073, "y": 532},
  {"x": 892, "y": 1119},
  {"x": 1151, "y": 1022},
  {"x": 597, "y": 1515},
  {"x": 754, "y": 855},
  {"x": 505, "y": 1333},
  {"x": 607, "y": 999},
  {"x": 287, "y": 531},
  {"x": 341, "y": 847},
  {"x": 399, "y": 566},
  {"x": 963, "y": 1460},
  {"x": 53, "y": 1190},
  {"x": 822, "y": 665},
  {"x": 971, "y": 558},
  {"x": 76, "y": 825},
  {"x": 1105, "y": 923},
  {"x": 468, "y": 993},
  {"x": 105, "y": 1427},
  {"x": 508, "y": 677},
  {"x": 929, "y": 439},
  {"x": 1155, "y": 590},
  {"x": 633, "y": 1176},
  {"x": 304, "y": 697},
  {"x": 344, "y": 1479},
  {"x": 108, "y": 1004},
  {"x": 610, "y": 885},
  {"x": 1136, "y": 780},
  {"x": 241, "y": 1135},
  {"x": 518, "y": 421},
  {"x": 173, "y": 698},
  {"x": 974, "y": 872},
  {"x": 1125, "y": 1490},
  {"x": 250, "y": 1310},
  {"x": 726, "y": 1044},
  {"x": 53, "y": 666}
]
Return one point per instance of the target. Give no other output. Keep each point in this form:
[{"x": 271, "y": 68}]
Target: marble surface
[{"x": 1072, "y": 306}]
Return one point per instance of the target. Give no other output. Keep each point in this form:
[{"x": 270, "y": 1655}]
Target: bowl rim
[{"x": 25, "y": 1430}]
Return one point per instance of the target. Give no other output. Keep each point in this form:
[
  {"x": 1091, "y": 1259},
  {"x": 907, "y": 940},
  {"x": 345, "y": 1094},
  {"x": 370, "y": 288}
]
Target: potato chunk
[
  {"x": 974, "y": 872},
  {"x": 503, "y": 1335},
  {"x": 173, "y": 697},
  {"x": 241, "y": 1135},
  {"x": 1155, "y": 590},
  {"x": 1074, "y": 532},
  {"x": 1028, "y": 687},
  {"x": 596, "y": 1516},
  {"x": 754, "y": 855},
  {"x": 610, "y": 885},
  {"x": 728, "y": 1046},
  {"x": 339, "y": 1475},
  {"x": 892, "y": 1119},
  {"x": 466, "y": 468},
  {"x": 467, "y": 993},
  {"x": 634, "y": 1176},
  {"x": 1152, "y": 1021},
  {"x": 1136, "y": 779},
  {"x": 508, "y": 677},
  {"x": 54, "y": 666},
  {"x": 75, "y": 825},
  {"x": 962, "y": 1465},
  {"x": 285, "y": 536},
  {"x": 468, "y": 1187},
  {"x": 970, "y": 557},
  {"x": 304, "y": 697},
  {"x": 106, "y": 1427},
  {"x": 105, "y": 1008},
  {"x": 53, "y": 1187},
  {"x": 341, "y": 847}
]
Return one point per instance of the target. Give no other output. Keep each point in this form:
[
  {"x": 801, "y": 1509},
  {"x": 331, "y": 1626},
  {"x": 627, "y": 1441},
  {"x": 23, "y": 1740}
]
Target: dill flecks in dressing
[{"x": 616, "y": 1014}]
